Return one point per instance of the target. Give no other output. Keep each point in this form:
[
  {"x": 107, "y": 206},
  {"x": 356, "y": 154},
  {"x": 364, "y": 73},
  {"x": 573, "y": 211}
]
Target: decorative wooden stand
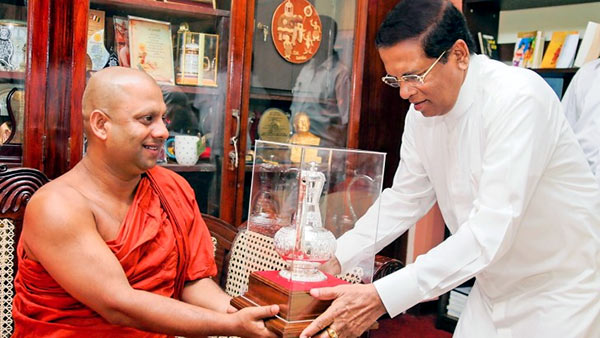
[{"x": 297, "y": 308}]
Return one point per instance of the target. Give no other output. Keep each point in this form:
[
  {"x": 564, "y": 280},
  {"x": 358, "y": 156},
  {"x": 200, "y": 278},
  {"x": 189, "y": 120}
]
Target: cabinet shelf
[
  {"x": 507, "y": 5},
  {"x": 196, "y": 90},
  {"x": 288, "y": 97},
  {"x": 200, "y": 167},
  {"x": 145, "y": 8},
  {"x": 12, "y": 75}
]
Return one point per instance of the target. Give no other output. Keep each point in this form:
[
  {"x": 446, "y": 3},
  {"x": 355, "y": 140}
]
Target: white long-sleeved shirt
[
  {"x": 519, "y": 199},
  {"x": 581, "y": 105}
]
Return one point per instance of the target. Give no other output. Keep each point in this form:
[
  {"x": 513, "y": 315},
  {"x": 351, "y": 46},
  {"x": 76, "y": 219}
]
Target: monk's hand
[
  {"x": 332, "y": 266},
  {"x": 250, "y": 321},
  {"x": 355, "y": 308}
]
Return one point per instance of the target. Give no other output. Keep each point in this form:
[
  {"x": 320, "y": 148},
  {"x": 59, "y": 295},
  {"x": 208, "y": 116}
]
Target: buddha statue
[{"x": 303, "y": 136}]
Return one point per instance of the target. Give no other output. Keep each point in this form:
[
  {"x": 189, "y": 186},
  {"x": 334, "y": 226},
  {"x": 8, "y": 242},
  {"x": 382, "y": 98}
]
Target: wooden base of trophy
[{"x": 297, "y": 308}]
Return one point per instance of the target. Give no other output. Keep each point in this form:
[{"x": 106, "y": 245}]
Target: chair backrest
[
  {"x": 16, "y": 187},
  {"x": 223, "y": 234},
  {"x": 252, "y": 251}
]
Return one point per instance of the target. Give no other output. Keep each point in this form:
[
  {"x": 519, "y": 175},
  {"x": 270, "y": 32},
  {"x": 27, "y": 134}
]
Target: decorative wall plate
[{"x": 296, "y": 30}]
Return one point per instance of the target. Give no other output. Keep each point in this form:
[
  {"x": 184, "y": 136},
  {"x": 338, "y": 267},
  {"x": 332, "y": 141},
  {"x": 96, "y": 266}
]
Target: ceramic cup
[{"x": 186, "y": 149}]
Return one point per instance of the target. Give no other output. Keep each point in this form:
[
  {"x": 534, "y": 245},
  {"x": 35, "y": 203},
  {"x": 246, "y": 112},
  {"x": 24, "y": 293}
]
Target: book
[
  {"x": 488, "y": 46},
  {"x": 538, "y": 49},
  {"x": 567, "y": 52},
  {"x": 95, "y": 39},
  {"x": 554, "y": 47},
  {"x": 590, "y": 45},
  {"x": 523, "y": 54},
  {"x": 151, "y": 48}
]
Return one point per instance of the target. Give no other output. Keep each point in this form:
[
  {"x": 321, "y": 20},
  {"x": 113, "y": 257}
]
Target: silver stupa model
[{"x": 306, "y": 244}]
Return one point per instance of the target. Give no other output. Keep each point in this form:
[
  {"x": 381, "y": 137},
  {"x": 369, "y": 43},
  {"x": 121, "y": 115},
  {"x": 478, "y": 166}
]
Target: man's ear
[
  {"x": 99, "y": 124},
  {"x": 461, "y": 53}
]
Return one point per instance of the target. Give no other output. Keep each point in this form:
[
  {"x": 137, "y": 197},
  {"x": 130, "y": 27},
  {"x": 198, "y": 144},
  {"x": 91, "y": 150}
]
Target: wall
[{"x": 546, "y": 19}]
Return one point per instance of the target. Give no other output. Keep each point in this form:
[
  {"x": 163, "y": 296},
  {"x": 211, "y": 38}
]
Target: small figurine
[{"x": 303, "y": 136}]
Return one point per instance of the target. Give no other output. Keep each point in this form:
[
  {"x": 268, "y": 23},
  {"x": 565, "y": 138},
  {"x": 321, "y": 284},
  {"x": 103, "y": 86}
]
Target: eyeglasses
[{"x": 411, "y": 79}]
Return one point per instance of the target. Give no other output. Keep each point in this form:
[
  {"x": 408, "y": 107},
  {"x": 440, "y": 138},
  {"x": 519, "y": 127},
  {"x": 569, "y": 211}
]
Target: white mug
[{"x": 186, "y": 149}]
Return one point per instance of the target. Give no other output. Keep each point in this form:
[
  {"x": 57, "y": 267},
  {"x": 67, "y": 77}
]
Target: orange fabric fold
[{"x": 147, "y": 250}]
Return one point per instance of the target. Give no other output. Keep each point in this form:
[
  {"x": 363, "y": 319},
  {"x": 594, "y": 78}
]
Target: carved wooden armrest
[{"x": 386, "y": 265}]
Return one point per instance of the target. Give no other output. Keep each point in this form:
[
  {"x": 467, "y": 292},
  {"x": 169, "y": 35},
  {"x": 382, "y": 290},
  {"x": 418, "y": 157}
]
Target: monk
[{"x": 116, "y": 247}]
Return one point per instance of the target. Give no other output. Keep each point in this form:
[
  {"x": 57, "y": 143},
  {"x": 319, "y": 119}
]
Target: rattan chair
[{"x": 16, "y": 187}]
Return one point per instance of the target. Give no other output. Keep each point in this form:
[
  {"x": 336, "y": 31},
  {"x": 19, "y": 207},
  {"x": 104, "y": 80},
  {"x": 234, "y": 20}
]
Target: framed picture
[
  {"x": 13, "y": 45},
  {"x": 197, "y": 55},
  {"x": 151, "y": 48}
]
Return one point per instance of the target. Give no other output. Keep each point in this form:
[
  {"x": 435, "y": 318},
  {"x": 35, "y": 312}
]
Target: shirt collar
[{"x": 466, "y": 96}]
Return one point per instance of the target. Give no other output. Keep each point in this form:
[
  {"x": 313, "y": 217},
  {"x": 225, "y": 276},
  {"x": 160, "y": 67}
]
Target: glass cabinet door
[
  {"x": 13, "y": 58},
  {"x": 302, "y": 73},
  {"x": 184, "y": 45}
]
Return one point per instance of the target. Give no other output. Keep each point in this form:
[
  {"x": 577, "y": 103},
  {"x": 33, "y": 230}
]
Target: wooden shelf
[
  {"x": 12, "y": 75},
  {"x": 151, "y": 8},
  {"x": 563, "y": 71},
  {"x": 195, "y": 90},
  {"x": 507, "y": 5},
  {"x": 199, "y": 167},
  {"x": 284, "y": 97}
]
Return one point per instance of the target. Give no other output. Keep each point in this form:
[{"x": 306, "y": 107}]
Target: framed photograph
[
  {"x": 151, "y": 48},
  {"x": 13, "y": 45},
  {"x": 197, "y": 59}
]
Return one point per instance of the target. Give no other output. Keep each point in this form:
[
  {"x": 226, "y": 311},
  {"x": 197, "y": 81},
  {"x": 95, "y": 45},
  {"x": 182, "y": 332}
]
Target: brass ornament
[{"x": 296, "y": 30}]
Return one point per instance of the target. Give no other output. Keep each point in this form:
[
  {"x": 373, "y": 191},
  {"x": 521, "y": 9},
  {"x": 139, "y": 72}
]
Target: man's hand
[
  {"x": 354, "y": 310},
  {"x": 250, "y": 321}
]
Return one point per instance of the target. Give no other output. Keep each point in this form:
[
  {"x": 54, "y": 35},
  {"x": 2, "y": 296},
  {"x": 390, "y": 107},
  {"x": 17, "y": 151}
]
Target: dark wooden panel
[
  {"x": 65, "y": 83},
  {"x": 382, "y": 110},
  {"x": 358, "y": 70},
  {"x": 35, "y": 77},
  {"x": 482, "y": 16},
  {"x": 232, "y": 179}
]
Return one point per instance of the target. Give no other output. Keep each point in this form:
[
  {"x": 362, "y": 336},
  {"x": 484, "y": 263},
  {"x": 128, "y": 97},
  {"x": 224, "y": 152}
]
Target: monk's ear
[{"x": 99, "y": 124}]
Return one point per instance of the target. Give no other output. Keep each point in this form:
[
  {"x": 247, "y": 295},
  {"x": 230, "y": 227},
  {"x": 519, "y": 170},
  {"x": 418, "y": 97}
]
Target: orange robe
[{"x": 148, "y": 252}]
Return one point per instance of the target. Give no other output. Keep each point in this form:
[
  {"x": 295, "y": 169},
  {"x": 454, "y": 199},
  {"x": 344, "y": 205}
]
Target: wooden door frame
[
  {"x": 55, "y": 79},
  {"x": 238, "y": 89},
  {"x": 360, "y": 28},
  {"x": 358, "y": 67}
]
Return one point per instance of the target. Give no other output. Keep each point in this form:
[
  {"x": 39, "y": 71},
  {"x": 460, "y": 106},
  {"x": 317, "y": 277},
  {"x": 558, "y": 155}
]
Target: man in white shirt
[
  {"x": 490, "y": 144},
  {"x": 582, "y": 108}
]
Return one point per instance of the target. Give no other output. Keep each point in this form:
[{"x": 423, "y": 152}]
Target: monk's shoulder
[
  {"x": 56, "y": 204},
  {"x": 172, "y": 181}
]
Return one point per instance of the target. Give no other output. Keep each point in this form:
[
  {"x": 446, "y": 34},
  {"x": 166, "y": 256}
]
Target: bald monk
[{"x": 102, "y": 254}]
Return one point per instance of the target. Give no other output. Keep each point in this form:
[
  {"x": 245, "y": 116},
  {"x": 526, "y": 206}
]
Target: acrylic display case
[{"x": 305, "y": 200}]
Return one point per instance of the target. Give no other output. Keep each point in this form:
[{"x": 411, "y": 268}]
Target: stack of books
[{"x": 457, "y": 301}]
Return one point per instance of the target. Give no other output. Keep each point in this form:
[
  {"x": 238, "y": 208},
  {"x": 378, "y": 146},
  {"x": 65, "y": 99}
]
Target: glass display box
[{"x": 306, "y": 201}]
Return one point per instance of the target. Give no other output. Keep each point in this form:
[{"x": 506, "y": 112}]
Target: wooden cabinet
[{"x": 55, "y": 75}]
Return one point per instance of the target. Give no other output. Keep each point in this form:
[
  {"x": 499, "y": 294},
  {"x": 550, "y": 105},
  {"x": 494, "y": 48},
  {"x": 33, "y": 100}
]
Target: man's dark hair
[{"x": 436, "y": 22}]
